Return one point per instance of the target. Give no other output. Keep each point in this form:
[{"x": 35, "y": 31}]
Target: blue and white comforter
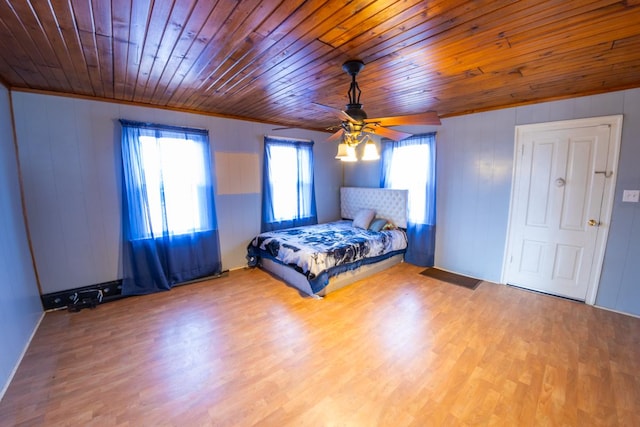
[{"x": 324, "y": 250}]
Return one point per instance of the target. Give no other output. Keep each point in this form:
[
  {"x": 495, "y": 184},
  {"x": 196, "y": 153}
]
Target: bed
[{"x": 322, "y": 258}]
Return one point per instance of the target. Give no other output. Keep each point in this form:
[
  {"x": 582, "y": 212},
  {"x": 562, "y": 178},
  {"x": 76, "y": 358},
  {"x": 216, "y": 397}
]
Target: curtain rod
[
  {"x": 288, "y": 137},
  {"x": 150, "y": 125}
]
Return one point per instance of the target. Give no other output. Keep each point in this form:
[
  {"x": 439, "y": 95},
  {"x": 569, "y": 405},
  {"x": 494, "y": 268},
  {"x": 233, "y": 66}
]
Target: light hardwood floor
[{"x": 397, "y": 349}]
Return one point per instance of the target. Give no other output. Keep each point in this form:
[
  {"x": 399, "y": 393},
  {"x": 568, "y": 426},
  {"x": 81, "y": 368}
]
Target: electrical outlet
[{"x": 631, "y": 196}]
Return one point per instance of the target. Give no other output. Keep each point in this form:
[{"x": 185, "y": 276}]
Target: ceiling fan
[{"x": 355, "y": 123}]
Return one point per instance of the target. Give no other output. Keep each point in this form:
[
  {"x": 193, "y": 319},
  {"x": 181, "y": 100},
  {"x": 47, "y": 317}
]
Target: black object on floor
[
  {"x": 455, "y": 279},
  {"x": 85, "y": 299}
]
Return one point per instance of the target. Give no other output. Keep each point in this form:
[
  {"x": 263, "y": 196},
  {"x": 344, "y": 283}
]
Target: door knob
[{"x": 593, "y": 223}]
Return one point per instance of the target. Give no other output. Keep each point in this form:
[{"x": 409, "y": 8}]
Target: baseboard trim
[
  {"x": 617, "y": 311},
  {"x": 19, "y": 361},
  {"x": 223, "y": 273}
]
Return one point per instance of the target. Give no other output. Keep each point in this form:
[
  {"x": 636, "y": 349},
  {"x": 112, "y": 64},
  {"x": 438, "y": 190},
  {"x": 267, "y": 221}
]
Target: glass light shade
[
  {"x": 346, "y": 153},
  {"x": 370, "y": 151},
  {"x": 342, "y": 151},
  {"x": 351, "y": 154}
]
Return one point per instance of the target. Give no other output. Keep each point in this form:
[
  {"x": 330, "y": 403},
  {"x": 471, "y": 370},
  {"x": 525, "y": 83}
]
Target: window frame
[
  {"x": 304, "y": 212},
  {"x": 145, "y": 224}
]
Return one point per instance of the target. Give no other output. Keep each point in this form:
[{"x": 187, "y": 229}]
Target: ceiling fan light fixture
[{"x": 356, "y": 126}]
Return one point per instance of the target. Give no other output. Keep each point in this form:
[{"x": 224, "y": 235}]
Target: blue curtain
[
  {"x": 288, "y": 192},
  {"x": 169, "y": 220},
  {"x": 411, "y": 164}
]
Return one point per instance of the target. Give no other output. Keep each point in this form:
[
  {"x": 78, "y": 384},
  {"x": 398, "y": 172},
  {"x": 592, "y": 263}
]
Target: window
[
  {"x": 288, "y": 187},
  {"x": 409, "y": 170},
  {"x": 410, "y": 165},
  {"x": 175, "y": 181},
  {"x": 169, "y": 185},
  {"x": 169, "y": 220}
]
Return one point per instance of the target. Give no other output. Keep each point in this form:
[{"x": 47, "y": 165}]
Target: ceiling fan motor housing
[{"x": 356, "y": 112}]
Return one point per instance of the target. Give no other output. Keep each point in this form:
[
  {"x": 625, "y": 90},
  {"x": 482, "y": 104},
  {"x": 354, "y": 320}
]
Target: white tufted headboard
[{"x": 388, "y": 204}]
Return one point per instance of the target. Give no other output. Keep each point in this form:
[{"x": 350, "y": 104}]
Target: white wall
[
  {"x": 474, "y": 167},
  {"x": 20, "y": 307},
  {"x": 69, "y": 152},
  {"x": 475, "y": 155},
  {"x": 70, "y": 156}
]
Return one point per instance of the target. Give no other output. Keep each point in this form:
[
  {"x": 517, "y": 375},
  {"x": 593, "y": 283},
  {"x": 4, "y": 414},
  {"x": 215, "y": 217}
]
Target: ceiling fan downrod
[{"x": 354, "y": 108}]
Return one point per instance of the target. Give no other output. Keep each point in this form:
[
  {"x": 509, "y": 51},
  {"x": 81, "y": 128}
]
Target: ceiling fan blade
[
  {"x": 388, "y": 133},
  {"x": 339, "y": 113},
  {"x": 426, "y": 118},
  {"x": 336, "y": 136}
]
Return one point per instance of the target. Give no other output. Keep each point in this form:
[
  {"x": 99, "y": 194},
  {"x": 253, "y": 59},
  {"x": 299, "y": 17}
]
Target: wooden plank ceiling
[{"x": 270, "y": 60}]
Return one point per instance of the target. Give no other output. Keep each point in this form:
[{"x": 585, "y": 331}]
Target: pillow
[
  {"x": 377, "y": 224},
  {"x": 363, "y": 218}
]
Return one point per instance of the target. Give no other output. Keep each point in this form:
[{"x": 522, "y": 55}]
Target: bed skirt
[{"x": 300, "y": 282}]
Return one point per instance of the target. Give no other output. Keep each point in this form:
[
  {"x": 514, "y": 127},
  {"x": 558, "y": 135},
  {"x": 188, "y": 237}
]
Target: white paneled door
[{"x": 561, "y": 205}]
